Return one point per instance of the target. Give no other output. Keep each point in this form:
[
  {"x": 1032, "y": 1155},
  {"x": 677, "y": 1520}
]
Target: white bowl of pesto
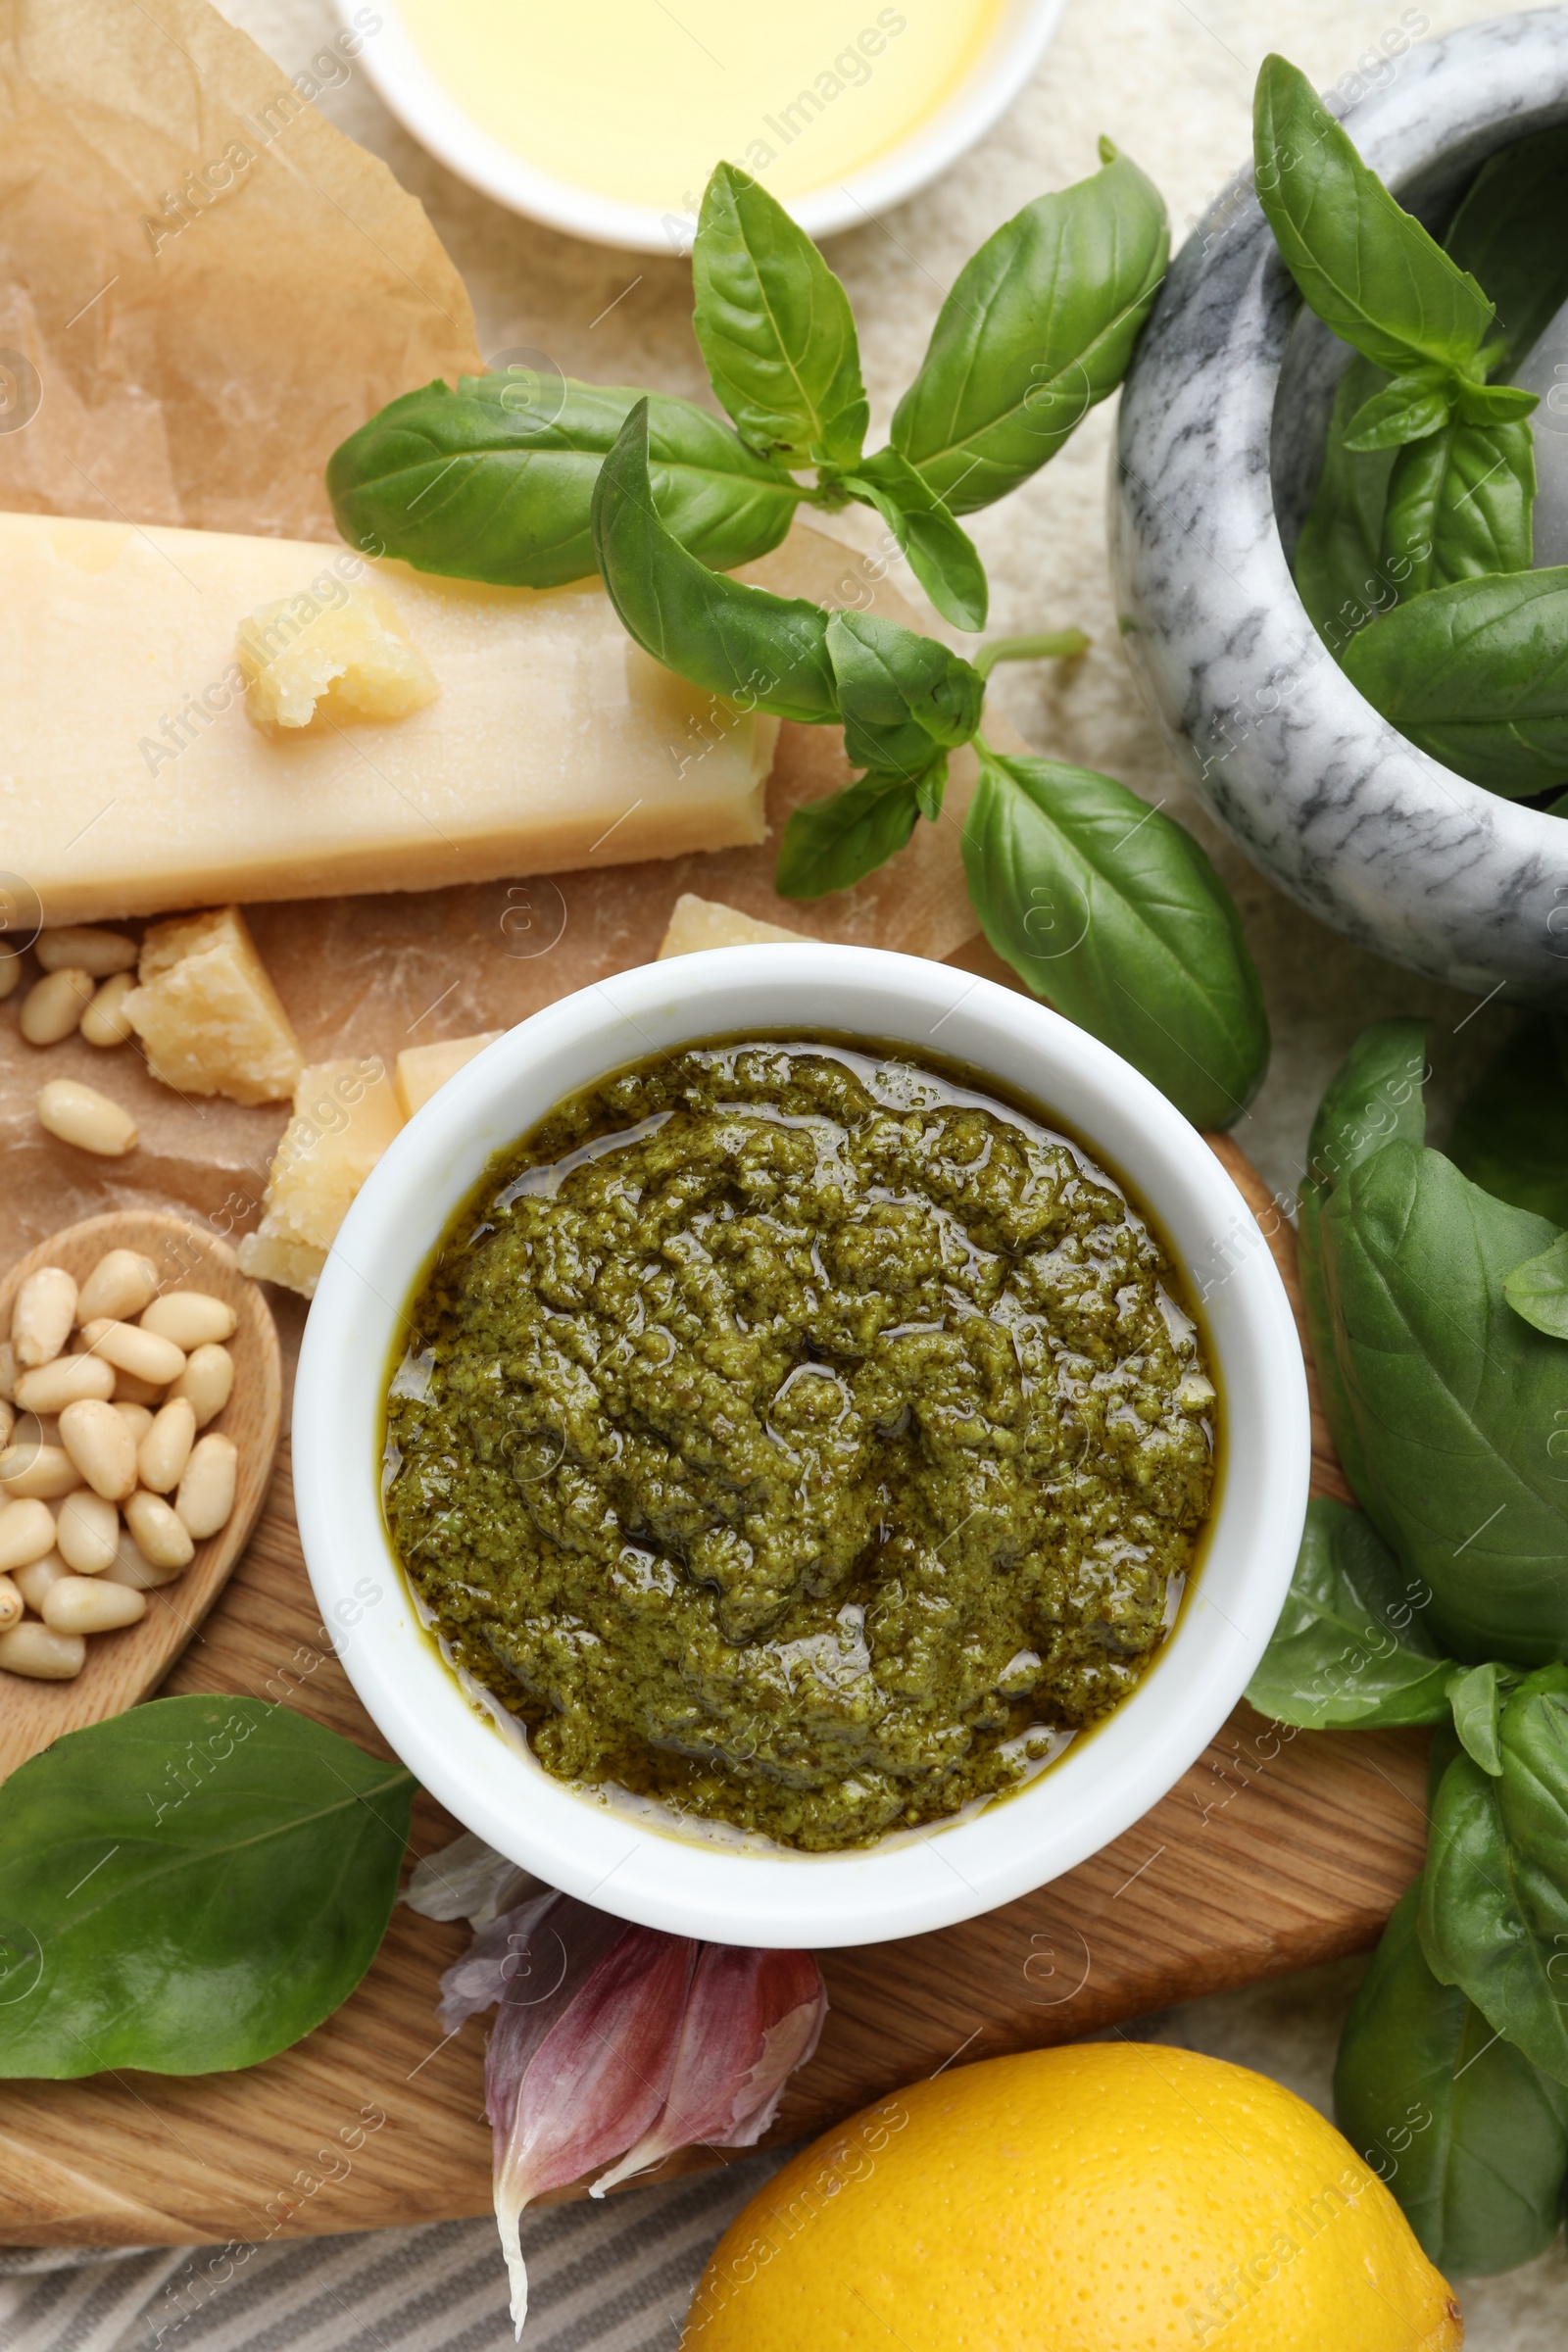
[
  {"x": 629, "y": 1854},
  {"x": 606, "y": 119}
]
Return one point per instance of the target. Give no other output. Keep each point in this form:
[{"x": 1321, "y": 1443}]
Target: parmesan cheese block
[
  {"x": 131, "y": 780},
  {"x": 708, "y": 924},
  {"x": 422, "y": 1071},
  {"x": 345, "y": 1116}
]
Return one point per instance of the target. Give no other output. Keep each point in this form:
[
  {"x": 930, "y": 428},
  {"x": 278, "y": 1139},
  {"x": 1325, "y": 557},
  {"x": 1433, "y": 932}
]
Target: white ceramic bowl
[
  {"x": 919, "y": 1880},
  {"x": 426, "y": 108}
]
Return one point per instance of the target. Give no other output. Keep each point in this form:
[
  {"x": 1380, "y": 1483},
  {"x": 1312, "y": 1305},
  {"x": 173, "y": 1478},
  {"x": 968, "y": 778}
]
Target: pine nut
[
  {"x": 207, "y": 1380},
  {"x": 160, "y": 1536},
  {"x": 164, "y": 1452},
  {"x": 87, "y": 1535},
  {"x": 100, "y": 1446},
  {"x": 41, "y": 1319},
  {"x": 80, "y": 1114},
  {"x": 86, "y": 948},
  {"x": 120, "y": 1285},
  {"x": 38, "y": 1470},
  {"x": 106, "y": 1022},
  {"x": 8, "y": 1371},
  {"x": 10, "y": 1603},
  {"x": 137, "y": 1417},
  {"x": 53, "y": 1386},
  {"x": 7, "y": 1422},
  {"x": 10, "y": 970},
  {"x": 206, "y": 1494},
  {"x": 53, "y": 1007},
  {"x": 83, "y": 1604},
  {"x": 128, "y": 1389},
  {"x": 26, "y": 1533},
  {"x": 130, "y": 1567},
  {"x": 37, "y": 1651},
  {"x": 131, "y": 1349},
  {"x": 190, "y": 1318},
  {"x": 35, "y": 1581}
]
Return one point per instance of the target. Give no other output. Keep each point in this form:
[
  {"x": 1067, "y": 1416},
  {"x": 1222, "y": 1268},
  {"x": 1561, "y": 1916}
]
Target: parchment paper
[
  {"x": 200, "y": 374},
  {"x": 203, "y": 285}
]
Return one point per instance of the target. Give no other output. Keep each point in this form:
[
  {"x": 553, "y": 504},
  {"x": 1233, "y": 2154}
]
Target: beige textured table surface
[{"x": 1172, "y": 84}]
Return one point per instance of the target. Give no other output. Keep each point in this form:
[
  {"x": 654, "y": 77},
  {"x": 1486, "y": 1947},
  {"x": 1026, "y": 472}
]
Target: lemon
[{"x": 1112, "y": 2197}]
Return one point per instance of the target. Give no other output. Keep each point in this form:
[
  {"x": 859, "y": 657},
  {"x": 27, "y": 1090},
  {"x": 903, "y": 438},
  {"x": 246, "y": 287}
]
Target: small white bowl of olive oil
[{"x": 605, "y": 119}]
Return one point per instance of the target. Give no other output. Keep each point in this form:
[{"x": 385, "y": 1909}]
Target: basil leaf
[
  {"x": 1495, "y": 1900},
  {"x": 1476, "y": 1699},
  {"x": 1039, "y": 326},
  {"x": 930, "y": 788},
  {"x": 775, "y": 328},
  {"x": 1476, "y": 674},
  {"x": 1349, "y": 1646},
  {"x": 1453, "y": 1398},
  {"x": 1471, "y": 2138},
  {"x": 764, "y": 652},
  {"x": 1375, "y": 1095},
  {"x": 204, "y": 1881},
  {"x": 1493, "y": 403},
  {"x": 1337, "y": 554},
  {"x": 901, "y": 695},
  {"x": 1512, "y": 1131},
  {"x": 1459, "y": 504},
  {"x": 1511, "y": 232},
  {"x": 1368, "y": 269},
  {"x": 1407, "y": 408},
  {"x": 1115, "y": 913},
  {"x": 481, "y": 484},
  {"x": 1538, "y": 1289},
  {"x": 833, "y": 843},
  {"x": 943, "y": 557}
]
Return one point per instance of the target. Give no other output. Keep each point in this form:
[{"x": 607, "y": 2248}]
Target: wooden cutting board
[{"x": 1274, "y": 1852}]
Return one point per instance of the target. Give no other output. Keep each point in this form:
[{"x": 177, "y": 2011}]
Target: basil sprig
[
  {"x": 1470, "y": 2136},
  {"x": 534, "y": 484},
  {"x": 1439, "y": 1315},
  {"x": 190, "y": 1888},
  {"x": 1422, "y": 520},
  {"x": 1494, "y": 1891}
]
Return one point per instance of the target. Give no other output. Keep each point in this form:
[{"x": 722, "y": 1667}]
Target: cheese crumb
[
  {"x": 422, "y": 1071},
  {"x": 353, "y": 659},
  {"x": 708, "y": 924},
  {"x": 345, "y": 1116},
  {"x": 208, "y": 1014}
]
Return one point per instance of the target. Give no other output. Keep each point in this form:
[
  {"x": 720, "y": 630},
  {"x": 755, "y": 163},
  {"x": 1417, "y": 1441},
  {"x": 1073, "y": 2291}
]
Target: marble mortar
[{"x": 1218, "y": 448}]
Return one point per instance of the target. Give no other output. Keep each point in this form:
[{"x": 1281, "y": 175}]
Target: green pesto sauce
[{"x": 799, "y": 1436}]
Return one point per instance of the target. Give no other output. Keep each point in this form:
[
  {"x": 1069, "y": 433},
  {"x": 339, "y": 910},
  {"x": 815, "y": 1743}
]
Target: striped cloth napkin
[{"x": 611, "y": 2277}]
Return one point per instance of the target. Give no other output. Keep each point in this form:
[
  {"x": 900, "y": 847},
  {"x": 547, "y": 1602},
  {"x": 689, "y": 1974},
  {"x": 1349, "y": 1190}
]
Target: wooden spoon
[{"x": 126, "y": 1666}]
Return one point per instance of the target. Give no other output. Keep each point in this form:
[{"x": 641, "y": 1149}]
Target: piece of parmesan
[
  {"x": 345, "y": 1116},
  {"x": 700, "y": 923},
  {"x": 207, "y": 1014},
  {"x": 351, "y": 660},
  {"x": 422, "y": 1071}
]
